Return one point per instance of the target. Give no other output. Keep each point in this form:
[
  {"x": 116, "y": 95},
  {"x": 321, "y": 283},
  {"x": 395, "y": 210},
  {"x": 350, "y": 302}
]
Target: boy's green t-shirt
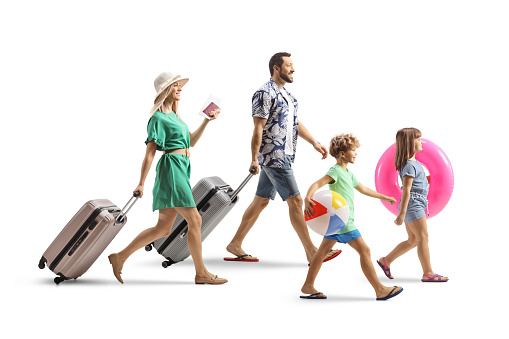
[{"x": 344, "y": 183}]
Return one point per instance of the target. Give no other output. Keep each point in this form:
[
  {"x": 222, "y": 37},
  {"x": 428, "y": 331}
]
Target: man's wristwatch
[{"x": 316, "y": 142}]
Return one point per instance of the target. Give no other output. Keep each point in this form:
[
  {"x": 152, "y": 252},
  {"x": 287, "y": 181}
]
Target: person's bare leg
[
  {"x": 369, "y": 271},
  {"x": 420, "y": 228},
  {"x": 300, "y": 226},
  {"x": 400, "y": 249},
  {"x": 248, "y": 220},
  {"x": 194, "y": 241},
  {"x": 162, "y": 229},
  {"x": 315, "y": 265}
]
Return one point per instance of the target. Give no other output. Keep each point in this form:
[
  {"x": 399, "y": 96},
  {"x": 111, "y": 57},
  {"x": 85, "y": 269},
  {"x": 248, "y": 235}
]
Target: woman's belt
[{"x": 182, "y": 151}]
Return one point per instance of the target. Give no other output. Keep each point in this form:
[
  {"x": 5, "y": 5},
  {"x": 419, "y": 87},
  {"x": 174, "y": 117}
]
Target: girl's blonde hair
[
  {"x": 342, "y": 142},
  {"x": 160, "y": 105},
  {"x": 405, "y": 139}
]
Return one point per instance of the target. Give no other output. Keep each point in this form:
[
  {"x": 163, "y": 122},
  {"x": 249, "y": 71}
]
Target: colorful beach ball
[{"x": 331, "y": 213}]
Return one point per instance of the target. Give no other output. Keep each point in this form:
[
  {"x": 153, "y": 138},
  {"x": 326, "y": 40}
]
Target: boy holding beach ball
[{"x": 341, "y": 180}]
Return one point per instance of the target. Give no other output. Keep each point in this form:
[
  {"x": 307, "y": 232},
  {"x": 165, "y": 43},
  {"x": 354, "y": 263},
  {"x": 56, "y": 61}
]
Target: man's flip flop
[
  {"x": 241, "y": 258},
  {"x": 313, "y": 296},
  {"x": 431, "y": 278},
  {"x": 390, "y": 295},
  {"x": 331, "y": 257},
  {"x": 386, "y": 269}
]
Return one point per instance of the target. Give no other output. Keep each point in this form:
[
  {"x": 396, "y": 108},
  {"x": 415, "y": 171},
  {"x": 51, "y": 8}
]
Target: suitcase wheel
[
  {"x": 148, "y": 248},
  {"x": 58, "y": 279},
  {"x": 42, "y": 263},
  {"x": 166, "y": 264}
]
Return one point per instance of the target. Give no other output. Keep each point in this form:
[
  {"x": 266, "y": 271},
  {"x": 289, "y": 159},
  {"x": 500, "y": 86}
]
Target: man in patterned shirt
[{"x": 273, "y": 147}]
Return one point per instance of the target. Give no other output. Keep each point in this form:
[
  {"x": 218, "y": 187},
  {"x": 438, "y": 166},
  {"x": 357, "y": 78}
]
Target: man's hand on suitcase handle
[{"x": 254, "y": 168}]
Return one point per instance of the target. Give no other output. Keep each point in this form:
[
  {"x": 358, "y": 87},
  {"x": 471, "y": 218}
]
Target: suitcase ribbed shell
[{"x": 212, "y": 213}]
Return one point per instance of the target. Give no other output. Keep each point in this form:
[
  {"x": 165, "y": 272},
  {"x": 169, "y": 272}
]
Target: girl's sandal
[
  {"x": 386, "y": 269},
  {"x": 433, "y": 278}
]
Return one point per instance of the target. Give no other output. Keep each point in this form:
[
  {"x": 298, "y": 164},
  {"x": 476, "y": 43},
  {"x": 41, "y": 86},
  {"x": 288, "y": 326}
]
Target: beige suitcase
[{"x": 84, "y": 238}]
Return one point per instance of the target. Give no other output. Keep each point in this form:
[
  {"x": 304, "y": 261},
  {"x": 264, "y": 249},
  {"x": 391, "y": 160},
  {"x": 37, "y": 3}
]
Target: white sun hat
[{"x": 165, "y": 79}]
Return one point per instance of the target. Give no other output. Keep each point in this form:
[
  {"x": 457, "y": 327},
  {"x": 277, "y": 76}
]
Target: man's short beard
[{"x": 285, "y": 78}]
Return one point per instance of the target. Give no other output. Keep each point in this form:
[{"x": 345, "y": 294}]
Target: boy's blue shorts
[{"x": 345, "y": 237}]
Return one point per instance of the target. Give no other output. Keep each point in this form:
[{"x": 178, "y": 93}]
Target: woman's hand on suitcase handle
[{"x": 138, "y": 190}]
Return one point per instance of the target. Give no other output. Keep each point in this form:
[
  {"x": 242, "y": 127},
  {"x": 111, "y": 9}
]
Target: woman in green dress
[{"x": 172, "y": 190}]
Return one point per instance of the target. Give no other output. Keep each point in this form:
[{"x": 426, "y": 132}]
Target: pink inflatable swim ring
[{"x": 441, "y": 177}]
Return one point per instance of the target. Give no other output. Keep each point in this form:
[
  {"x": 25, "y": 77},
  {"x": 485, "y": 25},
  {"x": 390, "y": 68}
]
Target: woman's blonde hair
[
  {"x": 405, "y": 139},
  {"x": 342, "y": 142},
  {"x": 160, "y": 102}
]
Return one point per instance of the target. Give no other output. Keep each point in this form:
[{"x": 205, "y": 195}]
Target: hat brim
[{"x": 181, "y": 81}]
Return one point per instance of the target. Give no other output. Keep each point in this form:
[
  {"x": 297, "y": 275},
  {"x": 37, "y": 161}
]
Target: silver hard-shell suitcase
[
  {"x": 84, "y": 238},
  {"x": 214, "y": 199}
]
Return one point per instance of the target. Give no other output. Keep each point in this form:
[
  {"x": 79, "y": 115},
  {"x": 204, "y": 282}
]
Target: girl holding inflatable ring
[{"x": 412, "y": 206}]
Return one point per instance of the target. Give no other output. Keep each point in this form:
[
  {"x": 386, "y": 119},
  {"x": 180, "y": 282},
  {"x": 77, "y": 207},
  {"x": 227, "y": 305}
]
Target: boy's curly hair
[{"x": 342, "y": 142}]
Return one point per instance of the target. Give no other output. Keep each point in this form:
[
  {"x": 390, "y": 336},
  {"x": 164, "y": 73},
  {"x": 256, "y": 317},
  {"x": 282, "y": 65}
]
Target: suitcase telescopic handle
[
  {"x": 127, "y": 207},
  {"x": 241, "y": 186}
]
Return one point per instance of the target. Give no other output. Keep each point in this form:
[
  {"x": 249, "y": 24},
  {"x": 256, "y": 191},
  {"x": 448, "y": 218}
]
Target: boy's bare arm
[
  {"x": 370, "y": 193},
  {"x": 308, "y": 209}
]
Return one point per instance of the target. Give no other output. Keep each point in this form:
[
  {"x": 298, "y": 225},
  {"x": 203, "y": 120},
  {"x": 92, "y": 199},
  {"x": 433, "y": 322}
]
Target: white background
[{"x": 76, "y": 90}]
